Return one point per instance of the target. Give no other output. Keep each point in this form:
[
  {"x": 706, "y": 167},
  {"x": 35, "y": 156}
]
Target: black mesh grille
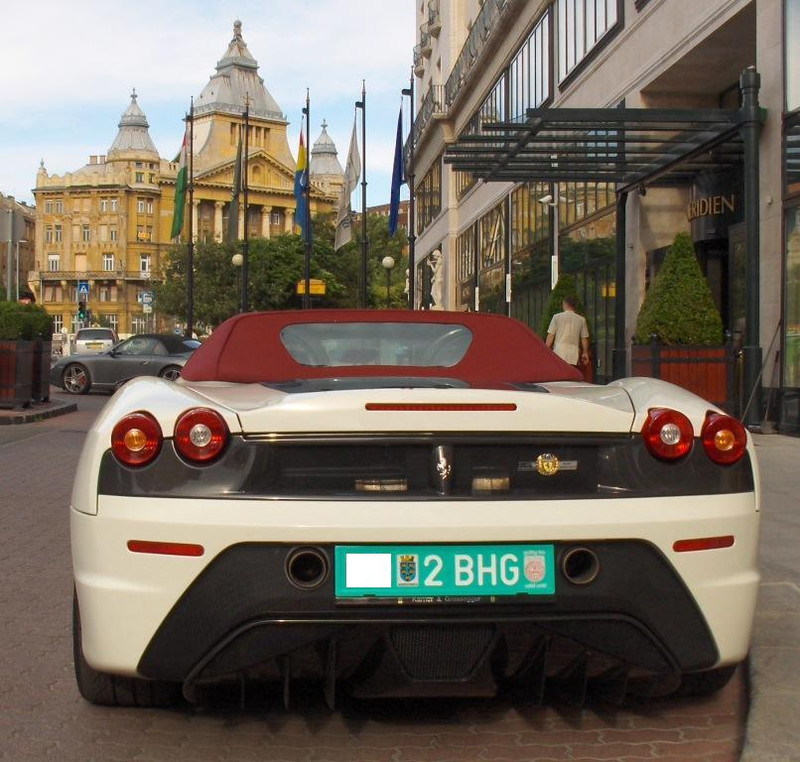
[{"x": 441, "y": 652}]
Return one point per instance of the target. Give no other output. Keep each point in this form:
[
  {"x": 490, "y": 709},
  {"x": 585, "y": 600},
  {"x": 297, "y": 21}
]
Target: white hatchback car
[{"x": 94, "y": 340}]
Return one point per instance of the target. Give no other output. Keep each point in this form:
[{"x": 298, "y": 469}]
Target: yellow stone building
[{"x": 102, "y": 230}]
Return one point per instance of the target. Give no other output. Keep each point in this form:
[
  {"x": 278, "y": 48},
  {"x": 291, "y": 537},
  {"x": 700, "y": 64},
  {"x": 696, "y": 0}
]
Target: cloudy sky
[{"x": 69, "y": 69}]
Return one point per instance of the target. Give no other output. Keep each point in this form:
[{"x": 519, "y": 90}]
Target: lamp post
[
  {"x": 17, "y": 265},
  {"x": 237, "y": 260},
  {"x": 388, "y": 264}
]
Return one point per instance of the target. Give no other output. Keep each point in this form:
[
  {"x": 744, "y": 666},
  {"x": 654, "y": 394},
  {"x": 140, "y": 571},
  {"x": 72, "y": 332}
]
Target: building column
[
  {"x": 218, "y": 205},
  {"x": 266, "y": 212},
  {"x": 289, "y": 221},
  {"x": 195, "y": 207}
]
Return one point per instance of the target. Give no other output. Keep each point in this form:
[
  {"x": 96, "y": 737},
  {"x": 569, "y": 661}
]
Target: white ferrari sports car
[{"x": 398, "y": 503}]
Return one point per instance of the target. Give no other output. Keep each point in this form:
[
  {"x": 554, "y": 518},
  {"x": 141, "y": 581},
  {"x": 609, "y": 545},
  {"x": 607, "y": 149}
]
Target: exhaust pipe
[
  {"x": 307, "y": 568},
  {"x": 580, "y": 566}
]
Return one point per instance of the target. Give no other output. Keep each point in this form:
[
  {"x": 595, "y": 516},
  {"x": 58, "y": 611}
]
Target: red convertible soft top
[{"x": 248, "y": 348}]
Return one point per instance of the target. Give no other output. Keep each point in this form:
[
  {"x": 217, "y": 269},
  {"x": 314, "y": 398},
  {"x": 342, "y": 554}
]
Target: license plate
[
  {"x": 94, "y": 345},
  {"x": 419, "y": 571}
]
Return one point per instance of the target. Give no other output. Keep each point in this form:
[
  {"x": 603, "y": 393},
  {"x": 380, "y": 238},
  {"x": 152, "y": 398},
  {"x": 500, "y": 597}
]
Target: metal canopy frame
[
  {"x": 634, "y": 148},
  {"x": 628, "y": 147}
]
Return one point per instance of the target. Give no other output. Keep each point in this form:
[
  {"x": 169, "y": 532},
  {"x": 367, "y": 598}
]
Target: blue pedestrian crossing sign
[{"x": 83, "y": 288}]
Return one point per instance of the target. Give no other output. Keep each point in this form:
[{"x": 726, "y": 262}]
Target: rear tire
[
  {"x": 171, "y": 372},
  {"x": 705, "y": 683},
  {"x": 112, "y": 690},
  {"x": 76, "y": 379}
]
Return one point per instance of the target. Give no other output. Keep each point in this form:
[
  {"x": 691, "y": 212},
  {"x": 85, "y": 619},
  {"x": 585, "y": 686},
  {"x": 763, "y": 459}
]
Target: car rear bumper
[{"x": 234, "y": 608}]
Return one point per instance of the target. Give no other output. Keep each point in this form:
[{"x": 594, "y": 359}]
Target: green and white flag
[{"x": 181, "y": 183}]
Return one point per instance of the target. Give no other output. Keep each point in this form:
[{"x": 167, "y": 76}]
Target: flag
[
  {"x": 352, "y": 171},
  {"x": 181, "y": 183},
  {"x": 301, "y": 187},
  {"x": 398, "y": 176},
  {"x": 233, "y": 209}
]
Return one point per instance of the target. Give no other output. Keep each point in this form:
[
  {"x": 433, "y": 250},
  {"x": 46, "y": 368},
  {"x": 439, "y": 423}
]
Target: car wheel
[
  {"x": 705, "y": 683},
  {"x": 76, "y": 379},
  {"x": 171, "y": 372},
  {"x": 111, "y": 690}
]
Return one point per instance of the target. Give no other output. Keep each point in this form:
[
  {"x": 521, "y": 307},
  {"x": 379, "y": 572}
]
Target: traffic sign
[
  {"x": 83, "y": 288},
  {"x": 147, "y": 297}
]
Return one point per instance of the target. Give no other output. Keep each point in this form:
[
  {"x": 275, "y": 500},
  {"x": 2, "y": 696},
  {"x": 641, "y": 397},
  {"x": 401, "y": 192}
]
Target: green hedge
[
  {"x": 24, "y": 321},
  {"x": 679, "y": 307}
]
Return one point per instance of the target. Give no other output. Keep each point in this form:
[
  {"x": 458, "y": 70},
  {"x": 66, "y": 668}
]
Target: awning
[{"x": 629, "y": 147}]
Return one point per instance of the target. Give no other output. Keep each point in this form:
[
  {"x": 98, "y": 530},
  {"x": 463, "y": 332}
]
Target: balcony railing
[
  {"x": 432, "y": 105},
  {"x": 50, "y": 276},
  {"x": 482, "y": 30},
  {"x": 434, "y": 18}
]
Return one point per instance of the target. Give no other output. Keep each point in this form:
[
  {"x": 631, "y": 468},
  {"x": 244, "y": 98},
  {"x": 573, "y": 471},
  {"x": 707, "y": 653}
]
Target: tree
[{"x": 679, "y": 307}]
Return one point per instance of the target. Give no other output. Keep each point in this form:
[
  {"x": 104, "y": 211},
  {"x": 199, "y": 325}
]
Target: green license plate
[{"x": 418, "y": 571}]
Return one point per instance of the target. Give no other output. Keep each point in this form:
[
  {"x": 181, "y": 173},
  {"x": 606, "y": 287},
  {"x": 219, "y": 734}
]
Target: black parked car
[{"x": 141, "y": 355}]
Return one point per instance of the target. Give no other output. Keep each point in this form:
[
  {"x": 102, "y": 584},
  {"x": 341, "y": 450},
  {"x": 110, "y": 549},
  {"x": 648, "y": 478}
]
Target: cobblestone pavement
[{"x": 42, "y": 717}]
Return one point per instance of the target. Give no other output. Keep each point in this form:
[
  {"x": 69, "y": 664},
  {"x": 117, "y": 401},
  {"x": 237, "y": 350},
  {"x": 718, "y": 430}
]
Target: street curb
[{"x": 38, "y": 411}]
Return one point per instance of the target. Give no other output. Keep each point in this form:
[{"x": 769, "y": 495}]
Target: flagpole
[
  {"x": 246, "y": 241},
  {"x": 362, "y": 104},
  {"x": 412, "y": 237},
  {"x": 190, "y": 244},
  {"x": 307, "y": 226}
]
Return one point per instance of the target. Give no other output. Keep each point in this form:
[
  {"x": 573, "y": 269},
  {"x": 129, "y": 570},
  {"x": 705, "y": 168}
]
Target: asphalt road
[{"x": 42, "y": 717}]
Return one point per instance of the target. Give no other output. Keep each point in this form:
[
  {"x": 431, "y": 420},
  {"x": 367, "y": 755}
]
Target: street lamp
[
  {"x": 237, "y": 260},
  {"x": 17, "y": 265},
  {"x": 388, "y": 264}
]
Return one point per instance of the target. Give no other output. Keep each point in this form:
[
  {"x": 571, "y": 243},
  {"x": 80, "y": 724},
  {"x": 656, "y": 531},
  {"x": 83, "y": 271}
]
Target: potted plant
[
  {"x": 25, "y": 342},
  {"x": 679, "y": 333},
  {"x": 565, "y": 286}
]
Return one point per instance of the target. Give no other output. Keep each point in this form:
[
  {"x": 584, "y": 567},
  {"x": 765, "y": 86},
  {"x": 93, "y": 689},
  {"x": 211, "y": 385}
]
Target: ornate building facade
[{"x": 102, "y": 230}]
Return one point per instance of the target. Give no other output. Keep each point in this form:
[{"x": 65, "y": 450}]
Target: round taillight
[
  {"x": 724, "y": 438},
  {"x": 667, "y": 433},
  {"x": 136, "y": 439},
  {"x": 200, "y": 435}
]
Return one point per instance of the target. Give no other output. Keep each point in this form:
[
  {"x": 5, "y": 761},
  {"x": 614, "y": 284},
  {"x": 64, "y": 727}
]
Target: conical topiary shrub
[{"x": 679, "y": 307}]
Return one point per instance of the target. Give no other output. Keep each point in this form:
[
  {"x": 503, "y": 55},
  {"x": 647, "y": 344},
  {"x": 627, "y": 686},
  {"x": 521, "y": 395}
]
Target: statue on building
[{"x": 436, "y": 264}]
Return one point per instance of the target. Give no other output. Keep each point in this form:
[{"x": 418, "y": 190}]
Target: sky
[{"x": 69, "y": 70}]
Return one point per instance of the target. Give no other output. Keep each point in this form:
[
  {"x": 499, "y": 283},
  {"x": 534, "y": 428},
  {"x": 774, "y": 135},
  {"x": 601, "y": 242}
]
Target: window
[
  {"x": 48, "y": 207},
  {"x": 792, "y": 58},
  {"x": 53, "y": 262},
  {"x": 48, "y": 234},
  {"x": 139, "y": 324},
  {"x": 275, "y": 218},
  {"x": 112, "y": 234},
  {"x": 429, "y": 196},
  {"x": 58, "y": 233},
  {"x": 103, "y": 204},
  {"x": 53, "y": 293},
  {"x": 111, "y": 319},
  {"x": 58, "y": 323},
  {"x": 144, "y": 263},
  {"x": 140, "y": 177},
  {"x": 113, "y": 205},
  {"x": 59, "y": 207},
  {"x": 108, "y": 292},
  {"x": 85, "y": 233},
  {"x": 108, "y": 262},
  {"x": 140, "y": 206},
  {"x": 149, "y": 206},
  {"x": 581, "y": 25},
  {"x": 529, "y": 72}
]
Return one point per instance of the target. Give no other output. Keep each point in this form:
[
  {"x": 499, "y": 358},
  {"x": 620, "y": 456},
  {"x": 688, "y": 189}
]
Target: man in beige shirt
[{"x": 568, "y": 334}]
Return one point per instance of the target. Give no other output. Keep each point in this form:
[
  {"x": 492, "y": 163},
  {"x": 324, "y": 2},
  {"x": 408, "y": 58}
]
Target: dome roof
[
  {"x": 324, "y": 159},
  {"x": 235, "y": 82},
  {"x": 133, "y": 135}
]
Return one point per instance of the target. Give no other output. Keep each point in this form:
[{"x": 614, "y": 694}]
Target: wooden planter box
[
  {"x": 42, "y": 351},
  {"x": 708, "y": 372},
  {"x": 16, "y": 373}
]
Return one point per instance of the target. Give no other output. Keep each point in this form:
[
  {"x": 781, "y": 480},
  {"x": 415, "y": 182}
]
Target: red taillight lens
[
  {"x": 201, "y": 435},
  {"x": 136, "y": 439},
  {"x": 667, "y": 433},
  {"x": 724, "y": 438}
]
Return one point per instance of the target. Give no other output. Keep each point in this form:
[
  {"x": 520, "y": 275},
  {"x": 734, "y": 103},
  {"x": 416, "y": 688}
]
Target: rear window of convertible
[{"x": 434, "y": 345}]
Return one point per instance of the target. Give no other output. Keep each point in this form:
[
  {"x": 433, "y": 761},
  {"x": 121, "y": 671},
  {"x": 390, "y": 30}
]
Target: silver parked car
[
  {"x": 94, "y": 340},
  {"x": 142, "y": 355}
]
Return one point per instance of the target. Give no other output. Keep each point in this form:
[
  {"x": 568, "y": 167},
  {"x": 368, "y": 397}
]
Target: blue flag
[
  {"x": 301, "y": 187},
  {"x": 398, "y": 176}
]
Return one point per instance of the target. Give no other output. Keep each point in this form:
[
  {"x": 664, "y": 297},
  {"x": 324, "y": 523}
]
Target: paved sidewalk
[
  {"x": 773, "y": 726},
  {"x": 36, "y": 411}
]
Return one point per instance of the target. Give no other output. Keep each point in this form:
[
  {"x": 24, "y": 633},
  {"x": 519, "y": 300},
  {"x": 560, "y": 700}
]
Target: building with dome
[{"x": 102, "y": 229}]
